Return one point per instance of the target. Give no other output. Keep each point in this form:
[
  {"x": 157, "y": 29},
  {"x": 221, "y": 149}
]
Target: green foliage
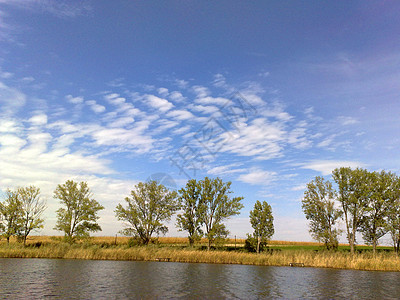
[
  {"x": 318, "y": 206},
  {"x": 353, "y": 197},
  {"x": 32, "y": 209},
  {"x": 218, "y": 206},
  {"x": 262, "y": 221},
  {"x": 10, "y": 214},
  {"x": 148, "y": 207},
  {"x": 251, "y": 244},
  {"x": 193, "y": 208},
  {"x": 79, "y": 217},
  {"x": 383, "y": 193}
]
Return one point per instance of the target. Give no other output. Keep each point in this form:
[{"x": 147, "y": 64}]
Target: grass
[{"x": 178, "y": 250}]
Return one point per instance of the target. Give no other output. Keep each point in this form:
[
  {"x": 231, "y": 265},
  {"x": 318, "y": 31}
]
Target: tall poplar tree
[{"x": 319, "y": 208}]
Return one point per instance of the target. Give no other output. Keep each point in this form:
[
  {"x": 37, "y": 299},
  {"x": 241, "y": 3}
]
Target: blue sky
[{"x": 266, "y": 94}]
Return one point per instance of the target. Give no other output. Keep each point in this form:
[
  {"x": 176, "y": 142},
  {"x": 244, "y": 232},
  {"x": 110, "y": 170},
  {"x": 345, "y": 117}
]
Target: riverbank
[{"x": 175, "y": 252}]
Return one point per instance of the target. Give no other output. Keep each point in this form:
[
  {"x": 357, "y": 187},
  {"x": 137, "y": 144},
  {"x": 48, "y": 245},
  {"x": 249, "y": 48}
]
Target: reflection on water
[{"x": 84, "y": 279}]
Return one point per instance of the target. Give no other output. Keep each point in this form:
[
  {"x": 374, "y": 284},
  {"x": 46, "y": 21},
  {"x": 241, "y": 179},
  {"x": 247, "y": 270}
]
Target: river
[{"x": 91, "y": 279}]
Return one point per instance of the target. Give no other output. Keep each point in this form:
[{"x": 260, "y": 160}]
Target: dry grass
[{"x": 104, "y": 248}]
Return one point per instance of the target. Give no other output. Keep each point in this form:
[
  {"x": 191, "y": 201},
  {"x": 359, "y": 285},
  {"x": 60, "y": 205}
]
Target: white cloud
[
  {"x": 181, "y": 130},
  {"x": 28, "y": 79},
  {"x": 201, "y": 91},
  {"x": 176, "y": 96},
  {"x": 115, "y": 99},
  {"x": 61, "y": 9},
  {"x": 226, "y": 169},
  {"x": 220, "y": 81},
  {"x": 347, "y": 120},
  {"x": 301, "y": 187},
  {"x": 261, "y": 139},
  {"x": 163, "y": 92},
  {"x": 213, "y": 101},
  {"x": 263, "y": 74},
  {"x": 325, "y": 167},
  {"x": 298, "y": 138},
  {"x": 6, "y": 75},
  {"x": 258, "y": 176},
  {"x": 181, "y": 115},
  {"x": 97, "y": 108},
  {"x": 122, "y": 122},
  {"x": 162, "y": 105},
  {"x": 74, "y": 100},
  {"x": 8, "y": 126},
  {"x": 124, "y": 139},
  {"x": 10, "y": 99},
  {"x": 181, "y": 83},
  {"x": 37, "y": 120},
  {"x": 206, "y": 109}
]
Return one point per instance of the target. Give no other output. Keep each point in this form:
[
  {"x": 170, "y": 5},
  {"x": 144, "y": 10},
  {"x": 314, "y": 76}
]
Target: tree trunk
[
  {"x": 397, "y": 246},
  {"x": 209, "y": 245},
  {"x": 352, "y": 242},
  {"x": 374, "y": 242},
  {"x": 191, "y": 241},
  {"x": 8, "y": 240},
  {"x": 258, "y": 244}
]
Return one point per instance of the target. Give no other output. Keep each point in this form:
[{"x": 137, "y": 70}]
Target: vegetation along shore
[
  {"x": 367, "y": 202},
  {"x": 279, "y": 253}
]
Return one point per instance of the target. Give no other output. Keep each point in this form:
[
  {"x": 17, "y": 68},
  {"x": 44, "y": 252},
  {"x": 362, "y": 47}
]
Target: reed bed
[{"x": 104, "y": 249}]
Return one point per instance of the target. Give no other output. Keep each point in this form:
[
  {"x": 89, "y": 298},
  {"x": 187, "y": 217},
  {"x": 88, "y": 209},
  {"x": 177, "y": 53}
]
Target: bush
[{"x": 250, "y": 244}]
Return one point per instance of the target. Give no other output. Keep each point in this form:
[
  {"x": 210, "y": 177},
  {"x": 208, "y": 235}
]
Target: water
[{"x": 89, "y": 279}]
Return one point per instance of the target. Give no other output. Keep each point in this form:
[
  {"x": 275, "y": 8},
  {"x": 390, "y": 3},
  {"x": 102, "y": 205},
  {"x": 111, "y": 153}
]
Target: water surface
[{"x": 91, "y": 279}]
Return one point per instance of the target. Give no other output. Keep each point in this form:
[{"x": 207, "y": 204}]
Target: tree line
[
  {"x": 367, "y": 202},
  {"x": 202, "y": 207}
]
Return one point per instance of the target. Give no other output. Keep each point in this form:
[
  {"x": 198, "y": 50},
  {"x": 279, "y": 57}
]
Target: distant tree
[
  {"x": 393, "y": 221},
  {"x": 218, "y": 206},
  {"x": 32, "y": 209},
  {"x": 79, "y": 217},
  {"x": 318, "y": 206},
  {"x": 383, "y": 194},
  {"x": 353, "y": 197},
  {"x": 193, "y": 208},
  {"x": 10, "y": 214},
  {"x": 148, "y": 207},
  {"x": 262, "y": 221}
]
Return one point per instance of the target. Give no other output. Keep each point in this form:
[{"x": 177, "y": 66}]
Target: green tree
[
  {"x": 319, "y": 207},
  {"x": 32, "y": 209},
  {"x": 148, "y": 207},
  {"x": 218, "y": 206},
  {"x": 382, "y": 196},
  {"x": 191, "y": 218},
  {"x": 353, "y": 197},
  {"x": 79, "y": 217},
  {"x": 393, "y": 221},
  {"x": 10, "y": 214},
  {"x": 262, "y": 221}
]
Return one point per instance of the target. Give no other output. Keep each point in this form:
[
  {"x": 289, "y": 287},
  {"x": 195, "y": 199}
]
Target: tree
[
  {"x": 218, "y": 206},
  {"x": 262, "y": 221},
  {"x": 79, "y": 217},
  {"x": 353, "y": 197},
  {"x": 191, "y": 219},
  {"x": 10, "y": 214},
  {"x": 318, "y": 206},
  {"x": 148, "y": 207},
  {"x": 32, "y": 209},
  {"x": 393, "y": 221},
  {"x": 382, "y": 195}
]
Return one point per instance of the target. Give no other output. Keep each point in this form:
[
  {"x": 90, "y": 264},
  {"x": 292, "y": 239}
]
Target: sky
[{"x": 265, "y": 94}]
